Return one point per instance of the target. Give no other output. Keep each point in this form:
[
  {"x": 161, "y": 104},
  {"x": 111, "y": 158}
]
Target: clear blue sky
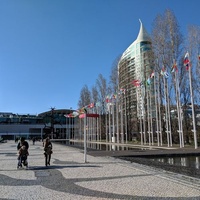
[{"x": 49, "y": 49}]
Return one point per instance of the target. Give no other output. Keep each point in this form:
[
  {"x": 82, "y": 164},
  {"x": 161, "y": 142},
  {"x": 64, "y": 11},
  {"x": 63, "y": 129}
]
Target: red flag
[
  {"x": 136, "y": 83},
  {"x": 108, "y": 99},
  {"x": 91, "y": 105},
  {"x": 186, "y": 61},
  {"x": 174, "y": 68},
  {"x": 152, "y": 74}
]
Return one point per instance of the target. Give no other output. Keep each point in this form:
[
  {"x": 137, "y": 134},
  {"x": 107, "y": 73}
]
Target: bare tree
[
  {"x": 193, "y": 47},
  {"x": 85, "y": 97},
  {"x": 101, "y": 84},
  {"x": 167, "y": 42},
  {"x": 94, "y": 94},
  {"x": 114, "y": 78}
]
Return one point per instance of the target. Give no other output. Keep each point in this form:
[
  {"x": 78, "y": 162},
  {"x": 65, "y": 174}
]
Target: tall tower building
[{"x": 136, "y": 64}]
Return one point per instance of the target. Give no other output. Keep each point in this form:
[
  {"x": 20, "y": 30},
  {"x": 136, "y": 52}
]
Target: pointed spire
[{"x": 143, "y": 35}]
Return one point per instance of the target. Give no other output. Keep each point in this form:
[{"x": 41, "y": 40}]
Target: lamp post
[{"x": 52, "y": 122}]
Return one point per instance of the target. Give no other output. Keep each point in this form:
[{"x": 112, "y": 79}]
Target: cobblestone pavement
[{"x": 68, "y": 177}]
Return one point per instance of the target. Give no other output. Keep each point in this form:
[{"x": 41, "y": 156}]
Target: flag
[
  {"x": 142, "y": 84},
  {"x": 136, "y": 83},
  {"x": 148, "y": 82},
  {"x": 98, "y": 104},
  {"x": 114, "y": 96},
  {"x": 75, "y": 114},
  {"x": 174, "y": 68},
  {"x": 164, "y": 73},
  {"x": 186, "y": 61},
  {"x": 69, "y": 115},
  {"x": 82, "y": 110},
  {"x": 108, "y": 99},
  {"x": 122, "y": 90},
  {"x": 152, "y": 75},
  {"x": 91, "y": 105}
]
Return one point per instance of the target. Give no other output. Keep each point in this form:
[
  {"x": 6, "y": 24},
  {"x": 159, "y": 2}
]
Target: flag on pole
[
  {"x": 164, "y": 73},
  {"x": 114, "y": 96},
  {"x": 122, "y": 90},
  {"x": 108, "y": 100},
  {"x": 148, "y": 82},
  {"x": 136, "y": 83},
  {"x": 152, "y": 75},
  {"x": 174, "y": 68},
  {"x": 186, "y": 61},
  {"x": 82, "y": 110},
  {"x": 91, "y": 105},
  {"x": 98, "y": 104}
]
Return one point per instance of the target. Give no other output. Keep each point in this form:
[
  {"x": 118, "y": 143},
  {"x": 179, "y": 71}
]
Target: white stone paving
[{"x": 69, "y": 177}]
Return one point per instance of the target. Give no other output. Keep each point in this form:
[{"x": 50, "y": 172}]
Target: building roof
[{"x": 143, "y": 35}]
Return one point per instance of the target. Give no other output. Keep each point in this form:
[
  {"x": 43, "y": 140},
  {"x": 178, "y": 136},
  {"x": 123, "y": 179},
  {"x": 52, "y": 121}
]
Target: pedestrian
[
  {"x": 22, "y": 142},
  {"x": 23, "y": 155},
  {"x": 33, "y": 140},
  {"x": 48, "y": 150}
]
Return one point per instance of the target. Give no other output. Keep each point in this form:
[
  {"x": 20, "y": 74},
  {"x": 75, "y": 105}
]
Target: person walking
[
  {"x": 22, "y": 142},
  {"x": 22, "y": 147},
  {"x": 33, "y": 139},
  {"x": 47, "y": 151},
  {"x": 22, "y": 158}
]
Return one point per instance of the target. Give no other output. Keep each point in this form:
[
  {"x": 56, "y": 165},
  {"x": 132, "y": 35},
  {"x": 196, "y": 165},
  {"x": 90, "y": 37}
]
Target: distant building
[{"x": 51, "y": 123}]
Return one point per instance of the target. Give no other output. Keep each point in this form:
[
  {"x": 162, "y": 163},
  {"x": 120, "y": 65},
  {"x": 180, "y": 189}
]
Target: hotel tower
[{"x": 134, "y": 70}]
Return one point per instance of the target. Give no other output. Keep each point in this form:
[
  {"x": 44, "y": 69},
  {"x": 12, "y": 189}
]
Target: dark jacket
[{"x": 20, "y": 144}]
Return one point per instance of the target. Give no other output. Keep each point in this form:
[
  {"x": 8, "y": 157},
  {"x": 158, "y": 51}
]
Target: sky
[{"x": 51, "y": 49}]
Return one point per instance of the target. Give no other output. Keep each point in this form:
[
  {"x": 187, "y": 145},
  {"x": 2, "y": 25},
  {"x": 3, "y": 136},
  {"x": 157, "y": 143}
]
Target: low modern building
[{"x": 52, "y": 123}]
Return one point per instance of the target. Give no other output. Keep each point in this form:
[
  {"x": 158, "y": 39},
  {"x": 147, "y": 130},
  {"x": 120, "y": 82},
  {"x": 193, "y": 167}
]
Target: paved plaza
[{"x": 102, "y": 177}]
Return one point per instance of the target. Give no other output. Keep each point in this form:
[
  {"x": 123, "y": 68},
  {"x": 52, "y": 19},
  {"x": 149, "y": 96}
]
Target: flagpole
[
  {"x": 85, "y": 139},
  {"x": 178, "y": 112},
  {"x": 106, "y": 125},
  {"x": 166, "y": 113},
  {"x": 143, "y": 114},
  {"x": 126, "y": 129},
  {"x": 109, "y": 122},
  {"x": 159, "y": 112},
  {"x": 151, "y": 116},
  {"x": 113, "y": 119},
  {"x": 97, "y": 124},
  {"x": 169, "y": 116},
  {"x": 149, "y": 132},
  {"x": 193, "y": 113},
  {"x": 140, "y": 115},
  {"x": 156, "y": 107},
  {"x": 117, "y": 116},
  {"x": 94, "y": 131},
  {"x": 180, "y": 131},
  {"x": 122, "y": 123}
]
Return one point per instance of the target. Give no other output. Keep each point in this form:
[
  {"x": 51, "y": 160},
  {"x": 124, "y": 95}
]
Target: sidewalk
[{"x": 69, "y": 177}]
